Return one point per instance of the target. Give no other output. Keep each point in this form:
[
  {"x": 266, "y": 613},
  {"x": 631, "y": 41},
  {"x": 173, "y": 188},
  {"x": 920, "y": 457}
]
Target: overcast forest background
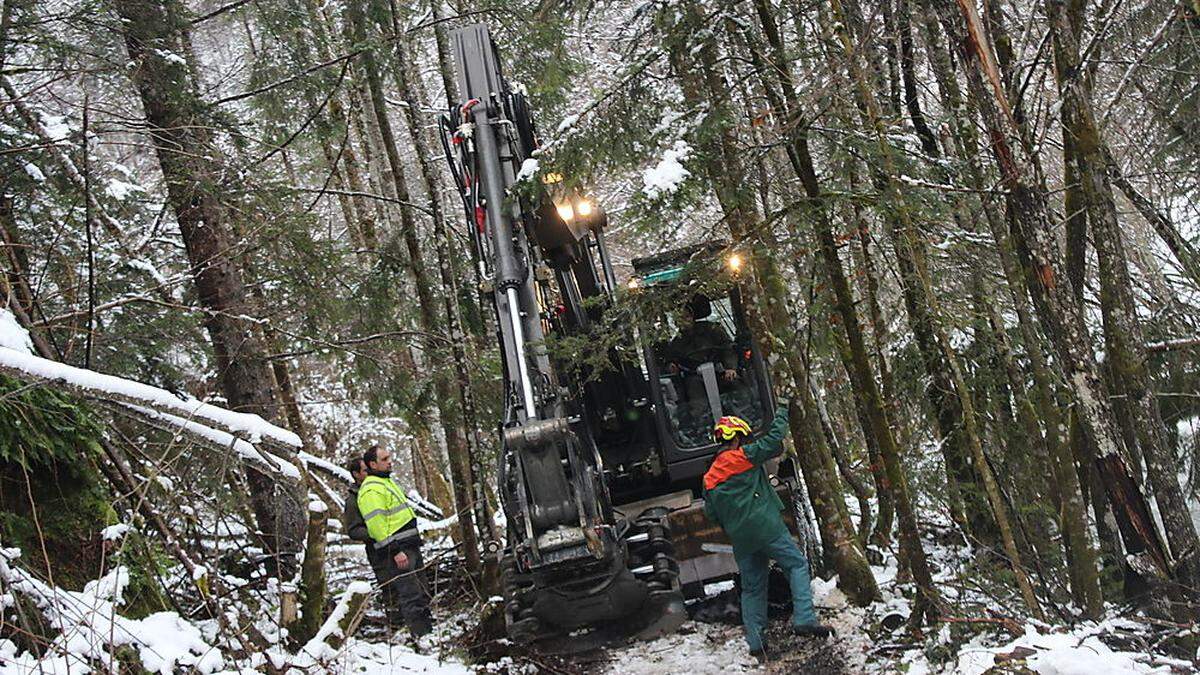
[{"x": 971, "y": 228}]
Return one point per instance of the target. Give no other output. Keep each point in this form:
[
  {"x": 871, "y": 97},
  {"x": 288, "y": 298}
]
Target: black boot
[{"x": 813, "y": 630}]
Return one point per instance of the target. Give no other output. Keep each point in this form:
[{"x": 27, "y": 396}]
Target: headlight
[
  {"x": 735, "y": 262},
  {"x": 583, "y": 207},
  {"x": 565, "y": 211}
]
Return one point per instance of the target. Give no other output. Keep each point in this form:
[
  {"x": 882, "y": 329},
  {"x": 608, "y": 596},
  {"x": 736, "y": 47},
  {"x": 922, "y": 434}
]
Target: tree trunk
[
  {"x": 861, "y": 493},
  {"x": 1081, "y": 551},
  {"x": 361, "y": 225},
  {"x": 868, "y": 403},
  {"x": 956, "y": 406},
  {"x": 194, "y": 185},
  {"x": 312, "y": 575},
  {"x": 887, "y": 383},
  {"x": 1124, "y": 342},
  {"x": 1060, "y": 315}
]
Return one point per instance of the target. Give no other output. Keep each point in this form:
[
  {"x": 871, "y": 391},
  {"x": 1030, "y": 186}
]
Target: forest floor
[
  {"x": 468, "y": 638},
  {"x": 869, "y": 640}
]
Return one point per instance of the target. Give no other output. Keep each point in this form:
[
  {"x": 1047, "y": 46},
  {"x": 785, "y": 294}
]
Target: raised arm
[{"x": 770, "y": 445}]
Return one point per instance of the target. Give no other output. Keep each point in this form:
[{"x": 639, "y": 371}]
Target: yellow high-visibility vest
[{"x": 385, "y": 510}]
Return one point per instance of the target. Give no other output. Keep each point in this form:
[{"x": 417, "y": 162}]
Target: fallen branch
[
  {"x": 90, "y": 631},
  {"x": 88, "y": 383}
]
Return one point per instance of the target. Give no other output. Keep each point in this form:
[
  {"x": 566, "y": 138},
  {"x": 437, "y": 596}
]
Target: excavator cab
[{"x": 701, "y": 361}]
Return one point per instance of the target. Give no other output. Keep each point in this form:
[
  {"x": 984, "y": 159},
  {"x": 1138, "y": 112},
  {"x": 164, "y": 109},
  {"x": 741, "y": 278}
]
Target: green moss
[
  {"x": 49, "y": 483},
  {"x": 146, "y": 562}
]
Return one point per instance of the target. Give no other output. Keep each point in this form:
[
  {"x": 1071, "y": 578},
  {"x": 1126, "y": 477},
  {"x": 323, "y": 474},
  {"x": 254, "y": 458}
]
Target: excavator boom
[{"x": 567, "y": 561}]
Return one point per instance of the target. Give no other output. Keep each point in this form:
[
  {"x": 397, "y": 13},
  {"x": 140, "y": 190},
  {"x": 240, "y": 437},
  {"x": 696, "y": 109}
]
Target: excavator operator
[{"x": 701, "y": 341}]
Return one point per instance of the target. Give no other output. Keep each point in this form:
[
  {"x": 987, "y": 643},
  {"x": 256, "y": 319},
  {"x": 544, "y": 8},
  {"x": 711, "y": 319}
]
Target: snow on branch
[
  {"x": 424, "y": 507},
  {"x": 89, "y": 383},
  {"x": 244, "y": 449},
  {"x": 326, "y": 466}
]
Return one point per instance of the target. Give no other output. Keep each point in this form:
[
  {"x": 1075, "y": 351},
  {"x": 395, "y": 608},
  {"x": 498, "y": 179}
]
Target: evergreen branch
[
  {"x": 364, "y": 195},
  {"x": 219, "y": 11}
]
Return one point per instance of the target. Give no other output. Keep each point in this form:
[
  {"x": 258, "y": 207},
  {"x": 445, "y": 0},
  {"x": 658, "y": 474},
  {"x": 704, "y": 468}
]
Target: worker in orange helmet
[{"x": 738, "y": 496}]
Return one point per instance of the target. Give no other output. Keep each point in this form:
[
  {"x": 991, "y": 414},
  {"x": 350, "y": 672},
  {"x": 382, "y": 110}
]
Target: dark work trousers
[{"x": 405, "y": 591}]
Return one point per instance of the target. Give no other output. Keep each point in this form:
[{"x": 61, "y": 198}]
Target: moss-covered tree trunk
[
  {"x": 948, "y": 389},
  {"x": 312, "y": 575},
  {"x": 1072, "y": 517},
  {"x": 774, "y": 72},
  {"x": 451, "y": 422},
  {"x": 1124, "y": 342},
  {"x": 1060, "y": 316}
]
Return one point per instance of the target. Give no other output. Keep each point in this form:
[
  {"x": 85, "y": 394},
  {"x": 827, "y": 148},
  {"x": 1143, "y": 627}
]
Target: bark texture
[{"x": 1058, "y": 312}]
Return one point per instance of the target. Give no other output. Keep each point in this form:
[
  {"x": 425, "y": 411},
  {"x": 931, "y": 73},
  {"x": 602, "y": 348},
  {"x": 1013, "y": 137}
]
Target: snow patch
[
  {"x": 34, "y": 172},
  {"x": 114, "y": 532},
  {"x": 827, "y": 595},
  {"x": 13, "y": 335},
  {"x": 171, "y": 57},
  {"x": 325, "y": 465},
  {"x": 568, "y": 122},
  {"x": 56, "y": 127},
  {"x": 244, "y": 449},
  {"x": 167, "y": 640},
  {"x": 710, "y": 649},
  {"x": 665, "y": 177},
  {"x": 119, "y": 189},
  {"x": 1080, "y": 652},
  {"x": 144, "y": 266},
  {"x": 529, "y": 169},
  {"x": 89, "y": 629}
]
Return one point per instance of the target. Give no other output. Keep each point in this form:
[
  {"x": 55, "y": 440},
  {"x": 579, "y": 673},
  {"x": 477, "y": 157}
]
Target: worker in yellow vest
[{"x": 392, "y": 526}]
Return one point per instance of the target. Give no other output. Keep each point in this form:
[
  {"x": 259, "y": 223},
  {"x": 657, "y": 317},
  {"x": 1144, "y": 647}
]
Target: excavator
[{"x": 599, "y": 467}]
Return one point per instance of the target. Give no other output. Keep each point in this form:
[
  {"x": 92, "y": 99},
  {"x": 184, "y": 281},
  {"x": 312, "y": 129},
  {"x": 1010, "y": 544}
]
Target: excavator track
[{"x": 652, "y": 557}]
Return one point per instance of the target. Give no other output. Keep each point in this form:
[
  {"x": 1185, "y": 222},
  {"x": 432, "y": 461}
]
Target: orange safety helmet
[{"x": 729, "y": 426}]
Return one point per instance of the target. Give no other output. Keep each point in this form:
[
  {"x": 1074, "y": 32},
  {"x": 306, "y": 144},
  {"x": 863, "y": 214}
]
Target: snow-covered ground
[
  {"x": 89, "y": 622},
  {"x": 90, "y": 632},
  {"x": 700, "y": 648},
  {"x": 1069, "y": 652}
]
